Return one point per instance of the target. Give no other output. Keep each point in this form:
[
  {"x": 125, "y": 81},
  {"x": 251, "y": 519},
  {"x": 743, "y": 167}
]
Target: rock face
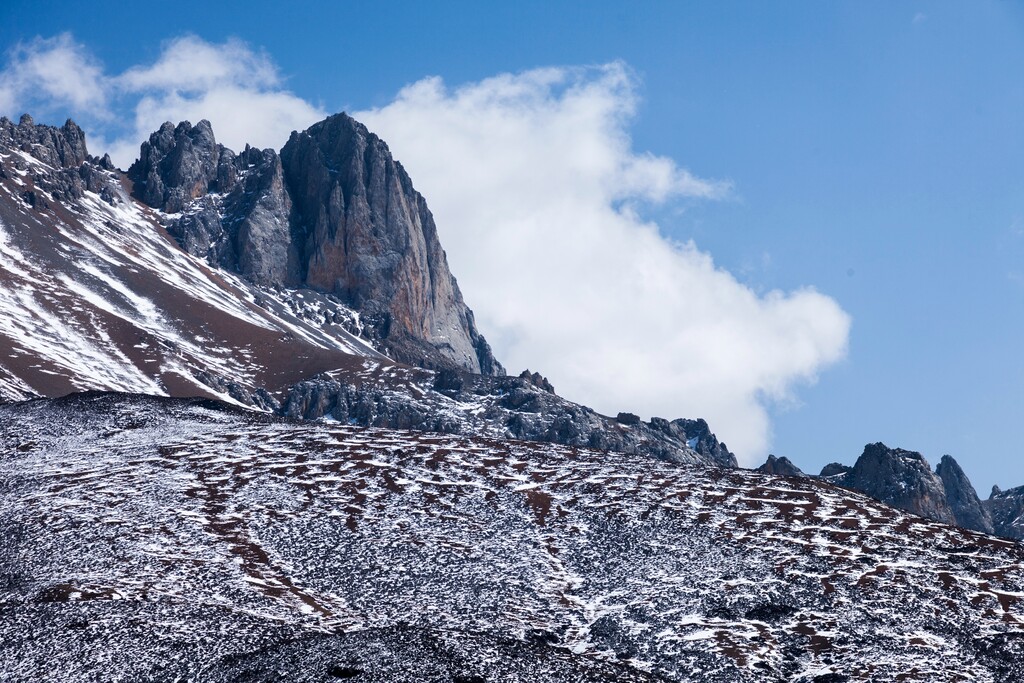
[
  {"x": 334, "y": 212},
  {"x": 232, "y": 209},
  {"x": 1006, "y": 510},
  {"x": 62, "y": 147},
  {"x": 962, "y": 498},
  {"x": 903, "y": 479},
  {"x": 900, "y": 478},
  {"x": 780, "y": 466}
]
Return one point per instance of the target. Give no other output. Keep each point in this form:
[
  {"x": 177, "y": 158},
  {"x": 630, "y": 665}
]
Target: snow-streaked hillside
[
  {"x": 160, "y": 539},
  {"x": 94, "y": 294}
]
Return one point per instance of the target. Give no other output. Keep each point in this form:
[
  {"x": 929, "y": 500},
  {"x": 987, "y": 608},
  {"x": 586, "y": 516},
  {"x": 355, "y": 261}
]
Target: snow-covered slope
[
  {"x": 94, "y": 294},
  {"x": 161, "y": 539}
]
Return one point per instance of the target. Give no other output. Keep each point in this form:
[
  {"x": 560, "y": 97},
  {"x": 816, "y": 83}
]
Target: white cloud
[
  {"x": 238, "y": 89},
  {"x": 53, "y": 72},
  {"x": 538, "y": 195},
  {"x": 532, "y": 179}
]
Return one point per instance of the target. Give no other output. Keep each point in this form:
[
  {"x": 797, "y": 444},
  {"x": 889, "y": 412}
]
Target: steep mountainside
[
  {"x": 164, "y": 539},
  {"x": 95, "y": 295}
]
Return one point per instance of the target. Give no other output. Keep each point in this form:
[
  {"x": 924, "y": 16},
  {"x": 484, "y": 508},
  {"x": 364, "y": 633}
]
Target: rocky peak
[
  {"x": 368, "y": 236},
  {"x": 780, "y": 466},
  {"x": 698, "y": 436},
  {"x": 962, "y": 498},
  {"x": 834, "y": 472},
  {"x": 62, "y": 147},
  {"x": 334, "y": 212},
  {"x": 537, "y": 380},
  {"x": 900, "y": 478},
  {"x": 65, "y": 170},
  {"x": 1006, "y": 510},
  {"x": 176, "y": 165}
]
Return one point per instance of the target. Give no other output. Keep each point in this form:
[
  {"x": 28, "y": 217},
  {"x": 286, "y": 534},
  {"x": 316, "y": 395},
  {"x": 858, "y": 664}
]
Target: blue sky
[{"x": 874, "y": 151}]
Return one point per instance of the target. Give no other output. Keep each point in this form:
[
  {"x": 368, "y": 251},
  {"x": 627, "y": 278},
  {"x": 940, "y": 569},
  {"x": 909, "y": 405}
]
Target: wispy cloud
[
  {"x": 539, "y": 197},
  {"x": 55, "y": 72},
  {"x": 235, "y": 87}
]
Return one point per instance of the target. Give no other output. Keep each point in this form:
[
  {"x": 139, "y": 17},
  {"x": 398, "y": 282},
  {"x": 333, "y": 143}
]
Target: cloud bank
[
  {"x": 538, "y": 193},
  {"x": 539, "y": 198}
]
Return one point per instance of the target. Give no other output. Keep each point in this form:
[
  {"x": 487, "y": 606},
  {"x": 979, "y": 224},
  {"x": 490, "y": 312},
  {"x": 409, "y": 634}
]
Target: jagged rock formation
[
  {"x": 1006, "y": 510},
  {"x": 900, "y": 478},
  {"x": 68, "y": 171},
  {"x": 904, "y": 479},
  {"x": 783, "y": 467},
  {"x": 963, "y": 500},
  {"x": 95, "y": 295},
  {"x": 334, "y": 212},
  {"x": 523, "y": 408}
]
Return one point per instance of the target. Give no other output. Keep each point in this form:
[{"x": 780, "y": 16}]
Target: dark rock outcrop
[
  {"x": 900, "y": 478},
  {"x": 369, "y": 237},
  {"x": 833, "y": 471},
  {"x": 962, "y": 498},
  {"x": 71, "y": 171},
  {"x": 537, "y": 380},
  {"x": 62, "y": 147},
  {"x": 496, "y": 407},
  {"x": 334, "y": 212},
  {"x": 1006, "y": 510},
  {"x": 780, "y": 466}
]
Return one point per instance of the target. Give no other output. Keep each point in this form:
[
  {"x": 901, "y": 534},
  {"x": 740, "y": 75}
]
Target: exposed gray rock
[
  {"x": 900, "y": 478},
  {"x": 368, "y": 236},
  {"x": 962, "y": 498},
  {"x": 834, "y": 472},
  {"x": 498, "y": 407},
  {"x": 537, "y": 380},
  {"x": 176, "y": 165},
  {"x": 334, "y": 213},
  {"x": 781, "y": 466},
  {"x": 72, "y": 171},
  {"x": 62, "y": 147},
  {"x": 1006, "y": 510}
]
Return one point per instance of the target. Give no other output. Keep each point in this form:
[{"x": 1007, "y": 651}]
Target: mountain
[
  {"x": 1006, "y": 510},
  {"x": 252, "y": 433},
  {"x": 333, "y": 213},
  {"x": 96, "y": 295},
  {"x": 205, "y": 273},
  {"x": 170, "y": 539}
]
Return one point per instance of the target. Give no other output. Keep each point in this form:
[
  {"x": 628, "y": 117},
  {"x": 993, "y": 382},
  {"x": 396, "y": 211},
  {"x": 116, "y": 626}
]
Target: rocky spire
[
  {"x": 62, "y": 147},
  {"x": 335, "y": 213},
  {"x": 962, "y": 498},
  {"x": 369, "y": 237},
  {"x": 176, "y": 165}
]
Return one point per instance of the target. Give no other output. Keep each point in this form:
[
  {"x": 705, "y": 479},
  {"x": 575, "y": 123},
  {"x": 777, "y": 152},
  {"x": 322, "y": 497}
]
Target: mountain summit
[{"x": 334, "y": 213}]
